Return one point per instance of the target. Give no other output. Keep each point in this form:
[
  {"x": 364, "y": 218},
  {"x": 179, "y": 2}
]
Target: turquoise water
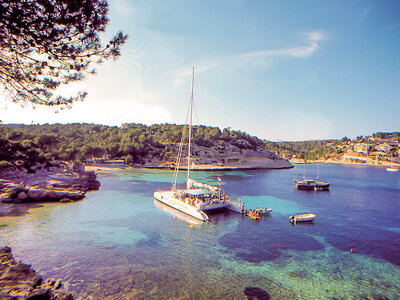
[{"x": 119, "y": 244}]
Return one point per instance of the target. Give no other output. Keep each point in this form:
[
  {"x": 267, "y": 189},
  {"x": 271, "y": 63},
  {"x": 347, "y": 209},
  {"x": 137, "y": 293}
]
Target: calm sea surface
[{"x": 119, "y": 244}]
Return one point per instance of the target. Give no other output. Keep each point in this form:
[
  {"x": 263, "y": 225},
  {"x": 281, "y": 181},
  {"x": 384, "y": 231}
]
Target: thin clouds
[
  {"x": 313, "y": 38},
  {"x": 122, "y": 7},
  {"x": 364, "y": 13},
  {"x": 257, "y": 57}
]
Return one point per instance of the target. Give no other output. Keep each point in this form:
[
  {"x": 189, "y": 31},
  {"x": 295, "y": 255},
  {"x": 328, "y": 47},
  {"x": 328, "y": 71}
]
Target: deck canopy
[{"x": 198, "y": 192}]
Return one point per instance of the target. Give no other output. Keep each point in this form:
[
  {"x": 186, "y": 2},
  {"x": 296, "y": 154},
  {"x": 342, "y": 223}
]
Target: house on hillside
[
  {"x": 385, "y": 147},
  {"x": 378, "y": 154},
  {"x": 376, "y": 140},
  {"x": 363, "y": 148}
]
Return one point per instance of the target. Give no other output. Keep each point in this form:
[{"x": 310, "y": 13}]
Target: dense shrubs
[{"x": 134, "y": 143}]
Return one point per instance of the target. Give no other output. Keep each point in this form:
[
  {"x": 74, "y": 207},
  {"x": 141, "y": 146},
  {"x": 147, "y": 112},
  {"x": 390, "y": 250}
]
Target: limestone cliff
[{"x": 238, "y": 155}]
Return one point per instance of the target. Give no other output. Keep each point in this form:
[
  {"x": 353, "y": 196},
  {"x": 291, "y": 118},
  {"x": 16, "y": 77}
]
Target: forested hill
[{"x": 135, "y": 143}]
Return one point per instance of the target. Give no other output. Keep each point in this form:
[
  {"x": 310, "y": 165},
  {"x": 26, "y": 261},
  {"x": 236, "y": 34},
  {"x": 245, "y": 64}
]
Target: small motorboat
[
  {"x": 253, "y": 214},
  {"x": 265, "y": 211},
  {"x": 392, "y": 169},
  {"x": 302, "y": 218}
]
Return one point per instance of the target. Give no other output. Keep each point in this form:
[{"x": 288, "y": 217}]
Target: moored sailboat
[
  {"x": 197, "y": 197},
  {"x": 312, "y": 184}
]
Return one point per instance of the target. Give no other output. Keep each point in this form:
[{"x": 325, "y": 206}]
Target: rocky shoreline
[
  {"x": 48, "y": 186},
  {"x": 20, "y": 281},
  {"x": 20, "y": 190}
]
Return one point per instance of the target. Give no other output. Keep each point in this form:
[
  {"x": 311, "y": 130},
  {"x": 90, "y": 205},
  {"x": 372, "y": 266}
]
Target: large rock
[
  {"x": 42, "y": 294},
  {"x": 64, "y": 296},
  {"x": 35, "y": 193},
  {"x": 20, "y": 281},
  {"x": 87, "y": 181},
  {"x": 55, "y": 185},
  {"x": 20, "y": 273},
  {"x": 54, "y": 195},
  {"x": 45, "y": 195},
  {"x": 22, "y": 196},
  {"x": 15, "y": 190},
  {"x": 256, "y": 293}
]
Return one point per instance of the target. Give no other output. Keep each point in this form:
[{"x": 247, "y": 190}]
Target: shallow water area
[{"x": 118, "y": 243}]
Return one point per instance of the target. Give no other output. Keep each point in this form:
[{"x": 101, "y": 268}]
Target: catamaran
[{"x": 196, "y": 197}]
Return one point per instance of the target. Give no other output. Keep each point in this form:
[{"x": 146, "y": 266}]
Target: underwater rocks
[
  {"x": 20, "y": 281},
  {"x": 257, "y": 245},
  {"x": 255, "y": 293}
]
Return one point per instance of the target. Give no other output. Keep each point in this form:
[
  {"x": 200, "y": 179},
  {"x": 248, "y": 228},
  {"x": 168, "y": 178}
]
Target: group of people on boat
[
  {"x": 202, "y": 199},
  {"x": 253, "y": 213},
  {"x": 257, "y": 213}
]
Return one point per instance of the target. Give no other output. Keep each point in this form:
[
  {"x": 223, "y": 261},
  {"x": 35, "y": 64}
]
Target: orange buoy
[{"x": 352, "y": 250}]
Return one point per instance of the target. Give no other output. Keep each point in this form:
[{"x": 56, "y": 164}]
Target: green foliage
[
  {"x": 5, "y": 164},
  {"x": 41, "y": 143},
  {"x": 395, "y": 136},
  {"x": 309, "y": 150},
  {"x": 138, "y": 141},
  {"x": 16, "y": 148},
  {"x": 46, "y": 44}
]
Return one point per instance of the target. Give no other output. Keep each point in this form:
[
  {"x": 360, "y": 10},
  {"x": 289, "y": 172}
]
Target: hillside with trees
[
  {"x": 308, "y": 150},
  {"x": 136, "y": 144},
  {"x": 157, "y": 145},
  {"x": 377, "y": 149}
]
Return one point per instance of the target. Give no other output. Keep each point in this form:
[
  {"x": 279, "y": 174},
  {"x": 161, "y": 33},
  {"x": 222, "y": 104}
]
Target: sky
[{"x": 279, "y": 70}]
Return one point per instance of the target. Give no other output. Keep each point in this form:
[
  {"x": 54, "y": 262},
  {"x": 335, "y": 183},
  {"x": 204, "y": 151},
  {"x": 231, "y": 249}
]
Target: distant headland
[{"x": 378, "y": 149}]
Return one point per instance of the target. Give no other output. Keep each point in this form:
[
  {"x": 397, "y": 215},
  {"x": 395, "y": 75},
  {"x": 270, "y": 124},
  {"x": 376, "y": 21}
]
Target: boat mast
[{"x": 190, "y": 129}]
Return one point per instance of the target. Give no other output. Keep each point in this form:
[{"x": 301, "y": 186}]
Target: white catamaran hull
[
  {"x": 214, "y": 205},
  {"x": 188, "y": 219},
  {"x": 169, "y": 198},
  {"x": 232, "y": 206},
  {"x": 236, "y": 206}
]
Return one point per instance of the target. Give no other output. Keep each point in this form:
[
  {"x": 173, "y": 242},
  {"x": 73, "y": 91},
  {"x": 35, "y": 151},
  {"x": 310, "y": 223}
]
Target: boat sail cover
[{"x": 196, "y": 184}]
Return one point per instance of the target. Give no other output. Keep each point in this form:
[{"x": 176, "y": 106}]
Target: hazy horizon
[{"x": 180, "y": 124}]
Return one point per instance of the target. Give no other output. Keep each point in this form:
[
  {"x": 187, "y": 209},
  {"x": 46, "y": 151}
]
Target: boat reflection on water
[{"x": 189, "y": 220}]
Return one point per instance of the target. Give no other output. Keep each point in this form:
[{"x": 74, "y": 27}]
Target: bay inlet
[{"x": 118, "y": 244}]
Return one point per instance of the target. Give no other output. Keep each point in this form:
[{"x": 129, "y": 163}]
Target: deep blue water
[{"x": 118, "y": 243}]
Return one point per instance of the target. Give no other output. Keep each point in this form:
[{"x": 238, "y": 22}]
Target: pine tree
[{"x": 48, "y": 43}]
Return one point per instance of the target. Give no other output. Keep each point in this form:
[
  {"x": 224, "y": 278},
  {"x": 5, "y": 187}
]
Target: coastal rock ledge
[
  {"x": 58, "y": 184},
  {"x": 19, "y": 281}
]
